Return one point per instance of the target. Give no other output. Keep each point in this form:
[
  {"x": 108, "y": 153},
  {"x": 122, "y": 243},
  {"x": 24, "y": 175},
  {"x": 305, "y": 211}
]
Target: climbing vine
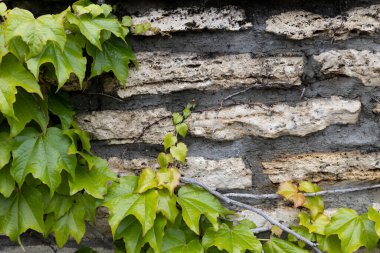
[{"x": 52, "y": 183}]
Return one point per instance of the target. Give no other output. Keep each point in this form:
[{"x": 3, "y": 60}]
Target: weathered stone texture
[
  {"x": 230, "y": 18},
  {"x": 364, "y": 65},
  {"x": 274, "y": 121},
  {"x": 162, "y": 72},
  {"x": 230, "y": 173},
  {"x": 318, "y": 167},
  {"x": 283, "y": 214},
  {"x": 300, "y": 25},
  {"x": 228, "y": 123},
  {"x": 376, "y": 108},
  {"x": 127, "y": 126}
]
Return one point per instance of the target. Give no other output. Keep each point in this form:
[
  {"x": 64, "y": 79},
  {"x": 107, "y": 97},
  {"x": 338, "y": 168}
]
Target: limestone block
[
  {"x": 364, "y": 65},
  {"x": 230, "y": 18},
  {"x": 315, "y": 167},
  {"x": 229, "y": 123},
  {"x": 161, "y": 73},
  {"x": 300, "y": 25},
  {"x": 229, "y": 173}
]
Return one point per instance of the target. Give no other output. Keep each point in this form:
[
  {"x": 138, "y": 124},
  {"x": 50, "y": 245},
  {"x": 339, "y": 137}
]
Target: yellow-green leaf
[
  {"x": 290, "y": 192},
  {"x": 168, "y": 178},
  {"x": 169, "y": 141},
  {"x": 237, "y": 239},
  {"x": 147, "y": 180},
  {"x": 67, "y": 61},
  {"x": 34, "y": 32},
  {"x": 179, "y": 152},
  {"x": 12, "y": 75},
  {"x": 353, "y": 230}
]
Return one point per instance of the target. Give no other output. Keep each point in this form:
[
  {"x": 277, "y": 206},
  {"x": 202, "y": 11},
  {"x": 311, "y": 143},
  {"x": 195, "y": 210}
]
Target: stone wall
[{"x": 285, "y": 90}]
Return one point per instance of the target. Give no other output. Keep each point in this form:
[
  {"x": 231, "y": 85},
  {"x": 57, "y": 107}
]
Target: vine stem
[
  {"x": 255, "y": 210},
  {"x": 320, "y": 193}
]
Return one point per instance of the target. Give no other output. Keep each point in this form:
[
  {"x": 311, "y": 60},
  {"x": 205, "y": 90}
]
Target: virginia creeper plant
[{"x": 50, "y": 181}]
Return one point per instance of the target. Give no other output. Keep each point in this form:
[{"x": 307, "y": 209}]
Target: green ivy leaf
[
  {"x": 123, "y": 202},
  {"x": 175, "y": 242},
  {"x": 27, "y": 108},
  {"x": 187, "y": 111},
  {"x": 167, "y": 205},
  {"x": 309, "y": 187},
  {"x": 35, "y": 32},
  {"x": 169, "y": 141},
  {"x": 353, "y": 230},
  {"x": 93, "y": 181},
  {"x": 127, "y": 21},
  {"x": 168, "y": 178},
  {"x": 92, "y": 27},
  {"x": 76, "y": 134},
  {"x": 195, "y": 202},
  {"x": 290, "y": 192},
  {"x": 374, "y": 216},
  {"x": 318, "y": 225},
  {"x": 116, "y": 57},
  {"x": 72, "y": 223},
  {"x": 182, "y": 129},
  {"x": 86, "y": 6},
  {"x": 147, "y": 180},
  {"x": 59, "y": 205},
  {"x": 59, "y": 105},
  {"x": 3, "y": 8},
  {"x": 12, "y": 75},
  {"x": 67, "y": 61},
  {"x": 276, "y": 245},
  {"x": 3, "y": 49},
  {"x": 131, "y": 232},
  {"x": 238, "y": 239},
  {"x": 43, "y": 156},
  {"x": 177, "y": 118},
  {"x": 329, "y": 244},
  {"x": 303, "y": 231},
  {"x": 179, "y": 152},
  {"x": 5, "y": 149},
  {"x": 315, "y": 205},
  {"x": 164, "y": 159},
  {"x": 20, "y": 212},
  {"x": 7, "y": 183}
]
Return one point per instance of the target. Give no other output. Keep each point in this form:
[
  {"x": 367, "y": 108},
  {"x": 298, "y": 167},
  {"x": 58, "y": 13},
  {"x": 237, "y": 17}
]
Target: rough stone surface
[
  {"x": 376, "y": 108},
  {"x": 162, "y": 72},
  {"x": 230, "y": 18},
  {"x": 274, "y": 121},
  {"x": 283, "y": 214},
  {"x": 318, "y": 167},
  {"x": 228, "y": 173},
  {"x": 229, "y": 123},
  {"x": 302, "y": 24},
  {"x": 364, "y": 65},
  {"x": 127, "y": 126}
]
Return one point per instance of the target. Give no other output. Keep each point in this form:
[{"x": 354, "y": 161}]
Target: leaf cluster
[{"x": 344, "y": 232}]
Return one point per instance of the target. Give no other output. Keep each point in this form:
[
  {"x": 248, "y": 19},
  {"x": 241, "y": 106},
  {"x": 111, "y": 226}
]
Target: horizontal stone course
[
  {"x": 300, "y": 25},
  {"x": 229, "y": 123},
  {"x": 316, "y": 167},
  {"x": 162, "y": 72},
  {"x": 229, "y": 173},
  {"x": 230, "y": 18},
  {"x": 364, "y": 65}
]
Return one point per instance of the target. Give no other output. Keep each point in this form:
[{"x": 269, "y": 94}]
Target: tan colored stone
[
  {"x": 230, "y": 18},
  {"x": 229, "y": 173},
  {"x": 302, "y": 24},
  {"x": 161, "y": 73},
  {"x": 363, "y": 65},
  {"x": 119, "y": 127},
  {"x": 285, "y": 215},
  {"x": 235, "y": 122},
  {"x": 229, "y": 123},
  {"x": 376, "y": 108},
  {"x": 317, "y": 167}
]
